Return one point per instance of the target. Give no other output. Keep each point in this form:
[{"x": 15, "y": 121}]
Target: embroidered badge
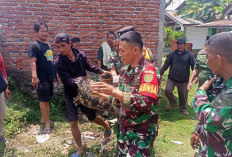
[{"x": 148, "y": 77}]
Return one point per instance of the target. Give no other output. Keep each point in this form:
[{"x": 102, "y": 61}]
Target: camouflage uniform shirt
[
  {"x": 215, "y": 119},
  {"x": 203, "y": 68},
  {"x": 115, "y": 62},
  {"x": 139, "y": 116}
]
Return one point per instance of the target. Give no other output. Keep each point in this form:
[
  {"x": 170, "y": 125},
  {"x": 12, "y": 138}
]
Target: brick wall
[{"x": 88, "y": 20}]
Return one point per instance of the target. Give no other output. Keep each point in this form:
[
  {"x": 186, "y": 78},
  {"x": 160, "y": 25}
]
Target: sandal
[
  {"x": 76, "y": 155},
  {"x": 107, "y": 133},
  {"x": 47, "y": 131},
  {"x": 171, "y": 106},
  {"x": 185, "y": 113}
]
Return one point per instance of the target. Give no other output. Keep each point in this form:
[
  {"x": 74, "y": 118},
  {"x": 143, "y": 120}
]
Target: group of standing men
[
  {"x": 138, "y": 91},
  {"x": 140, "y": 111},
  {"x": 212, "y": 102}
]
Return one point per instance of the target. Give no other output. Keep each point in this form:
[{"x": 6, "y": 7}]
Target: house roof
[
  {"x": 172, "y": 15},
  {"x": 228, "y": 10},
  {"x": 216, "y": 24}
]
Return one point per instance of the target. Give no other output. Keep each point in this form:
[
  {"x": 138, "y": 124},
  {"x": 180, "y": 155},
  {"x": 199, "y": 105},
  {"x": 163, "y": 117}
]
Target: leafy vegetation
[
  {"x": 23, "y": 109},
  {"x": 204, "y": 10},
  {"x": 170, "y": 35}
]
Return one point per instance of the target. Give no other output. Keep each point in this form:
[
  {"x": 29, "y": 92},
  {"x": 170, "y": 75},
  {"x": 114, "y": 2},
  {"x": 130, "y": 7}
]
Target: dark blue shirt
[
  {"x": 180, "y": 63},
  {"x": 44, "y": 67},
  {"x": 68, "y": 70}
]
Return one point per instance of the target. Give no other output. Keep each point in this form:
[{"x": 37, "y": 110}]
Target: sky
[{"x": 174, "y": 4}]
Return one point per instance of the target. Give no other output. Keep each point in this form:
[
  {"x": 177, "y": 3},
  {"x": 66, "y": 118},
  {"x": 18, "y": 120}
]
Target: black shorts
[
  {"x": 45, "y": 91},
  {"x": 72, "y": 110}
]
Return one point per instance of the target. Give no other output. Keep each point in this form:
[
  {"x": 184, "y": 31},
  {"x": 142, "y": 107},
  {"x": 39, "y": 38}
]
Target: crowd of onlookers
[{"x": 137, "y": 93}]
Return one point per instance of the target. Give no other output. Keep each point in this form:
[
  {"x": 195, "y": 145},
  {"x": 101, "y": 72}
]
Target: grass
[{"x": 23, "y": 114}]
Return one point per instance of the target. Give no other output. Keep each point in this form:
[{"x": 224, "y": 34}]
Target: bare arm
[
  {"x": 99, "y": 63},
  {"x": 113, "y": 71},
  {"x": 35, "y": 79},
  {"x": 193, "y": 76}
]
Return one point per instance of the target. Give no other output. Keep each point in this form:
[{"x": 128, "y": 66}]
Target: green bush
[
  {"x": 170, "y": 35},
  {"x": 24, "y": 109},
  {"x": 178, "y": 34}
]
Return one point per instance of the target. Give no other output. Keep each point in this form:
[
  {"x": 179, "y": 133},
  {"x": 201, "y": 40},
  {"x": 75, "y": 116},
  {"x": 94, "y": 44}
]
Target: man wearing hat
[{"x": 179, "y": 61}]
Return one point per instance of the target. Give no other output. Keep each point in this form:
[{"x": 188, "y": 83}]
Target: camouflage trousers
[{"x": 131, "y": 144}]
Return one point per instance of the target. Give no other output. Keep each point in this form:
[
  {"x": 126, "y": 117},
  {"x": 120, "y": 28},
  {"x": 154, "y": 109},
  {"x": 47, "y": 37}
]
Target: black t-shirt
[{"x": 44, "y": 63}]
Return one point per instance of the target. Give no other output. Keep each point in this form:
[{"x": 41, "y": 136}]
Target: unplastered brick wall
[{"x": 88, "y": 20}]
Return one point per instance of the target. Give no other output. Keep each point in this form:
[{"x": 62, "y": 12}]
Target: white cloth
[
  {"x": 2, "y": 112},
  {"x": 106, "y": 52}
]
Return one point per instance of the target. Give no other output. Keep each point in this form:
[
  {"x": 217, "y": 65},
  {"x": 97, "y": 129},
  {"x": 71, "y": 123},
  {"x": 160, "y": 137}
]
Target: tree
[
  {"x": 204, "y": 10},
  {"x": 170, "y": 35}
]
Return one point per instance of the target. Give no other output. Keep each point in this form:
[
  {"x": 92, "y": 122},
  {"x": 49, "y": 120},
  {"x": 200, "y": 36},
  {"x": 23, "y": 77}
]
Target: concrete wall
[{"x": 196, "y": 36}]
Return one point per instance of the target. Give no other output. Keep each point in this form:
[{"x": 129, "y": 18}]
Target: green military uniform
[{"x": 203, "y": 68}]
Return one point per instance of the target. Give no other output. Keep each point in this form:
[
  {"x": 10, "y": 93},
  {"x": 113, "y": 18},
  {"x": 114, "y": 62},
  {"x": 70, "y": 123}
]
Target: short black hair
[
  {"x": 110, "y": 32},
  {"x": 62, "y": 37},
  {"x": 133, "y": 37},
  {"x": 74, "y": 40},
  {"x": 220, "y": 44},
  {"x": 38, "y": 25}
]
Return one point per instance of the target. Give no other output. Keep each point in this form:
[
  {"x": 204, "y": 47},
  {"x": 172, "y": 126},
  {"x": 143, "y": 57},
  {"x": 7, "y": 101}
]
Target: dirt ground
[{"x": 60, "y": 142}]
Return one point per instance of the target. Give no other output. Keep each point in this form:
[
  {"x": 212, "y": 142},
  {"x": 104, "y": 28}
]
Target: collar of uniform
[
  {"x": 219, "y": 82},
  {"x": 229, "y": 83},
  {"x": 140, "y": 65},
  {"x": 114, "y": 54}
]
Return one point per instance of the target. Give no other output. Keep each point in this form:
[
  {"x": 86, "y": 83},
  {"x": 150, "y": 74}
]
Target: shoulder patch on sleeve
[{"x": 149, "y": 84}]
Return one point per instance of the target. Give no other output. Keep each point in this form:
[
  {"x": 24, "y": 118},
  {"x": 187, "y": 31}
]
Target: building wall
[
  {"x": 88, "y": 20},
  {"x": 196, "y": 36}
]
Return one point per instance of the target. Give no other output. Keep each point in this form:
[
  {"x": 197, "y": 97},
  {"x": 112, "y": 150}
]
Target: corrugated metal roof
[
  {"x": 219, "y": 23},
  {"x": 228, "y": 10},
  {"x": 172, "y": 14}
]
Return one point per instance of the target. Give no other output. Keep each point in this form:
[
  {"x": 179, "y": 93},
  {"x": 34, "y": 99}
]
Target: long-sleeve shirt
[
  {"x": 140, "y": 95},
  {"x": 68, "y": 70},
  {"x": 215, "y": 119},
  {"x": 180, "y": 63},
  {"x": 138, "y": 112}
]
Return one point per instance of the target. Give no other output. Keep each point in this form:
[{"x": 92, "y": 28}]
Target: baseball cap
[
  {"x": 62, "y": 37},
  {"x": 124, "y": 30},
  {"x": 181, "y": 40}
]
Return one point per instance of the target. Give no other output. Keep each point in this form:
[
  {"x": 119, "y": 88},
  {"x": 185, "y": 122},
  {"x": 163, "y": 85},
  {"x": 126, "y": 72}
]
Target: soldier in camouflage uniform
[
  {"x": 138, "y": 95},
  {"x": 214, "y": 130},
  {"x": 115, "y": 63}
]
